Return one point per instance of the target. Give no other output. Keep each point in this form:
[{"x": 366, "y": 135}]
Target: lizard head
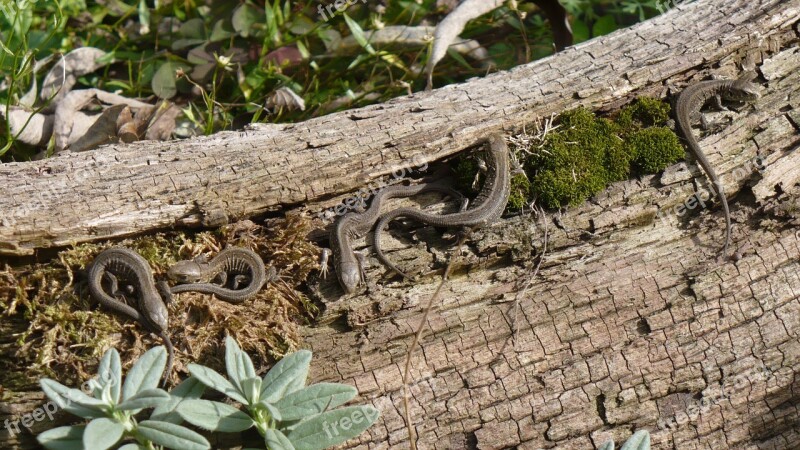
[
  {"x": 744, "y": 89},
  {"x": 349, "y": 276},
  {"x": 188, "y": 271},
  {"x": 154, "y": 312}
]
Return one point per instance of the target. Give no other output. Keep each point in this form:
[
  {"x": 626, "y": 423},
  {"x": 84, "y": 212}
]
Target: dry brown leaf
[
  {"x": 65, "y": 73},
  {"x": 71, "y": 124},
  {"x": 452, "y": 25},
  {"x": 160, "y": 127},
  {"x": 403, "y": 37},
  {"x": 36, "y": 129},
  {"x": 126, "y": 126},
  {"x": 284, "y": 97},
  {"x": 103, "y": 130}
]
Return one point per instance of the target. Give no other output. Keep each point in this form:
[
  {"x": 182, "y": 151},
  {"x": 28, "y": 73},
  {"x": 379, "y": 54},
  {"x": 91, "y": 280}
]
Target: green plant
[
  {"x": 638, "y": 441},
  {"x": 112, "y": 405},
  {"x": 286, "y": 413}
]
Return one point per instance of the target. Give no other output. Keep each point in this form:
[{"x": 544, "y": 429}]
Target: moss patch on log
[{"x": 52, "y": 328}]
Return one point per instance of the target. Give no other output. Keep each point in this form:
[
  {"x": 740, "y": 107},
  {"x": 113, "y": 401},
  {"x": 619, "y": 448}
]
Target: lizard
[
  {"x": 348, "y": 263},
  {"x": 688, "y": 105},
  {"x": 123, "y": 263},
  {"x": 487, "y": 207},
  {"x": 244, "y": 264}
]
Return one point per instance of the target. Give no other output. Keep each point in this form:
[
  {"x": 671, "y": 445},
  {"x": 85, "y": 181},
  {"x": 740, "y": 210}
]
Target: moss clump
[
  {"x": 578, "y": 160},
  {"x": 654, "y": 148},
  {"x": 644, "y": 112},
  {"x": 520, "y": 189},
  {"x": 61, "y": 333}
]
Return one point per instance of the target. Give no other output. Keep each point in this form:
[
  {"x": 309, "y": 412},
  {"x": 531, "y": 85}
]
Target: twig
[
  {"x": 417, "y": 336},
  {"x": 528, "y": 283}
]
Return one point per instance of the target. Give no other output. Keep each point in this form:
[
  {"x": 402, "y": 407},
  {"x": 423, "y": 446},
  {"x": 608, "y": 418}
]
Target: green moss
[
  {"x": 466, "y": 167},
  {"x": 654, "y": 148},
  {"x": 520, "y": 189},
  {"x": 578, "y": 160},
  {"x": 644, "y": 112}
]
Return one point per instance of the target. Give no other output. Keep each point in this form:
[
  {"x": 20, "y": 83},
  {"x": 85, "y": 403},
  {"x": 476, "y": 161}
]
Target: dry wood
[
  {"x": 123, "y": 189},
  {"x": 633, "y": 322}
]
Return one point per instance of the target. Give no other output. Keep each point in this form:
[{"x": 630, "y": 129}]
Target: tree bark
[
  {"x": 125, "y": 189},
  {"x": 632, "y": 323}
]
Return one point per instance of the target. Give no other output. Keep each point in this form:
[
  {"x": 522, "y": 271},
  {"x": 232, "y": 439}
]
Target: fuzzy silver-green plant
[
  {"x": 639, "y": 441},
  {"x": 286, "y": 412},
  {"x": 113, "y": 405}
]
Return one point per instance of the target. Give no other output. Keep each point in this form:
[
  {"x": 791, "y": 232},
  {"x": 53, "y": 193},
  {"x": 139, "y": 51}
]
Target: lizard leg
[
  {"x": 361, "y": 263},
  {"x": 324, "y": 257}
]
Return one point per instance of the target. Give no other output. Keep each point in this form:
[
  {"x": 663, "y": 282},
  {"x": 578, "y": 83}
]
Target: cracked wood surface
[
  {"x": 124, "y": 189},
  {"x": 632, "y": 322}
]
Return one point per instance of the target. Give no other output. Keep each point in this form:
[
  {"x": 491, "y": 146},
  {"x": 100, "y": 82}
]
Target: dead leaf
[
  {"x": 401, "y": 37},
  {"x": 161, "y": 127},
  {"x": 285, "y": 56},
  {"x": 71, "y": 124},
  {"x": 65, "y": 72},
  {"x": 284, "y": 97},
  {"x": 102, "y": 130},
  {"x": 451, "y": 26},
  {"x": 36, "y": 129},
  {"x": 126, "y": 126}
]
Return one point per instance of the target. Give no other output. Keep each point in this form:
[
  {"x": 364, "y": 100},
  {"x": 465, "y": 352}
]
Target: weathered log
[
  {"x": 632, "y": 322},
  {"x": 124, "y": 189}
]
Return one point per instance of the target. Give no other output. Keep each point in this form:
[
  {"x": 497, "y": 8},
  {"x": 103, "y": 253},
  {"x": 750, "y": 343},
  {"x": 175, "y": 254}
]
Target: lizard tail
[
  {"x": 376, "y": 244},
  {"x": 170, "y": 356}
]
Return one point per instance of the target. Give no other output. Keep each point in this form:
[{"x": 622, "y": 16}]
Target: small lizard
[
  {"x": 122, "y": 263},
  {"x": 689, "y": 103},
  {"x": 349, "y": 264},
  {"x": 232, "y": 267},
  {"x": 487, "y": 207}
]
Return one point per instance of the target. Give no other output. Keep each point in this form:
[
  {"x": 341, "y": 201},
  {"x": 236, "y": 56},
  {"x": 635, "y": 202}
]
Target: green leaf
[
  {"x": 608, "y": 445},
  {"x": 332, "y": 427},
  {"x": 164, "y": 79},
  {"x": 102, "y": 433},
  {"x": 245, "y": 17},
  {"x": 314, "y": 400},
  {"x": 639, "y": 441},
  {"x": 604, "y": 25},
  {"x": 148, "y": 398},
  {"x": 215, "y": 381},
  {"x": 132, "y": 447},
  {"x": 145, "y": 373},
  {"x": 214, "y": 416},
  {"x": 273, "y": 411},
  {"x": 188, "y": 389},
  {"x": 70, "y": 400},
  {"x": 251, "y": 387},
  {"x": 220, "y": 31},
  {"x": 144, "y": 17},
  {"x": 358, "y": 34},
  {"x": 238, "y": 364},
  {"x": 109, "y": 373},
  {"x": 170, "y": 435},
  {"x": 287, "y": 376},
  {"x": 276, "y": 440},
  {"x": 63, "y": 438}
]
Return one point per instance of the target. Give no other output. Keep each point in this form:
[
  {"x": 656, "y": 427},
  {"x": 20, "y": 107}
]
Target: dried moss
[{"x": 59, "y": 332}]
